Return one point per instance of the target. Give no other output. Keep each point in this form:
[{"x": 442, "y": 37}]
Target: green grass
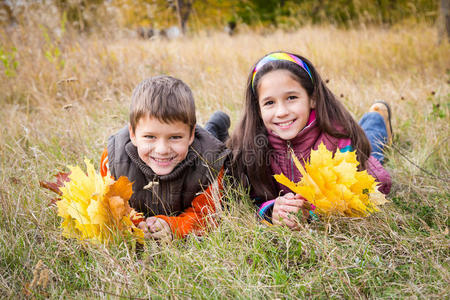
[{"x": 49, "y": 122}]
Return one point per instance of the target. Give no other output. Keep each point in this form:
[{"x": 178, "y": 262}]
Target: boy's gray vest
[{"x": 168, "y": 194}]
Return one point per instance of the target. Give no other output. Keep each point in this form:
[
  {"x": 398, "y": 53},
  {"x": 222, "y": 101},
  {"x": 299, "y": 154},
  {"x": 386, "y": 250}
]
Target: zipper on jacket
[{"x": 291, "y": 161}]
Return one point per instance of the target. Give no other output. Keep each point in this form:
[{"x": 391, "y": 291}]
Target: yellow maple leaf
[
  {"x": 334, "y": 185},
  {"x": 96, "y": 208}
]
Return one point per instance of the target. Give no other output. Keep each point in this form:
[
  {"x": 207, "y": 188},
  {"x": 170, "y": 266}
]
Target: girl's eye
[
  {"x": 175, "y": 137},
  {"x": 270, "y": 102},
  {"x": 292, "y": 97}
]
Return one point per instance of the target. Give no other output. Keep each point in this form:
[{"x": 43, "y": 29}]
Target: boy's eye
[
  {"x": 176, "y": 137},
  {"x": 149, "y": 136}
]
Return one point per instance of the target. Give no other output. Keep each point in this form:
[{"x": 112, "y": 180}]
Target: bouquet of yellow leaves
[
  {"x": 334, "y": 185},
  {"x": 96, "y": 208}
]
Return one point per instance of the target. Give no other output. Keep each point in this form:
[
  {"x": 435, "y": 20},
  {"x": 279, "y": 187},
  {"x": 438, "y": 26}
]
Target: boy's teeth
[{"x": 162, "y": 159}]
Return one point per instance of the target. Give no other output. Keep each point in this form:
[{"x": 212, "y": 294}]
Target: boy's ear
[
  {"x": 191, "y": 140},
  {"x": 132, "y": 135}
]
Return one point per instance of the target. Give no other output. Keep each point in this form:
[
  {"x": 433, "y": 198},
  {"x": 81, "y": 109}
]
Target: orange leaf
[
  {"x": 61, "y": 178},
  {"x": 121, "y": 188},
  {"x": 118, "y": 195}
]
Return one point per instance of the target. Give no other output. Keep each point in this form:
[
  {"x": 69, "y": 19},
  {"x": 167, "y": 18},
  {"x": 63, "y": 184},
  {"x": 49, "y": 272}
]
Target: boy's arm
[
  {"x": 197, "y": 217},
  {"x": 194, "y": 217},
  {"x": 104, "y": 167}
]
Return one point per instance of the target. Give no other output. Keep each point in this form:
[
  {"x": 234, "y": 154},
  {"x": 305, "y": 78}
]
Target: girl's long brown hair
[{"x": 249, "y": 144}]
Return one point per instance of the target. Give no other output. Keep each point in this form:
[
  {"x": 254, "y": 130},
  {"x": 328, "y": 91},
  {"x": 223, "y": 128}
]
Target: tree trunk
[
  {"x": 444, "y": 23},
  {"x": 184, "y": 8},
  {"x": 6, "y": 13}
]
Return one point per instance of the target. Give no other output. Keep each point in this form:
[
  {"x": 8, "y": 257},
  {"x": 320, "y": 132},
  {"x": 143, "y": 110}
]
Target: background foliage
[{"x": 291, "y": 14}]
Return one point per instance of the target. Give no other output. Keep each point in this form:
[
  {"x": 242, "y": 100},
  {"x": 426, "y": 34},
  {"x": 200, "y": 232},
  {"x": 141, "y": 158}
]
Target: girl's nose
[{"x": 281, "y": 110}]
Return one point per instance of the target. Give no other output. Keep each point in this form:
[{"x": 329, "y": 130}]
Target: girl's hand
[
  {"x": 156, "y": 228},
  {"x": 285, "y": 209}
]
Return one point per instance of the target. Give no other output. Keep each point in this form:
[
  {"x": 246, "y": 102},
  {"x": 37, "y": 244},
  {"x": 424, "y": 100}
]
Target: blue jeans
[{"x": 373, "y": 125}]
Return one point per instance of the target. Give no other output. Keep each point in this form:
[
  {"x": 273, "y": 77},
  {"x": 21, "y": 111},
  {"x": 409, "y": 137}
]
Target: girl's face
[{"x": 284, "y": 104}]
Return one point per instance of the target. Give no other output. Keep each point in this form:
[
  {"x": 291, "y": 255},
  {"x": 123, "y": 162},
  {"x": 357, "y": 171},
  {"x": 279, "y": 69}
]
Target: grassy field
[{"x": 63, "y": 94}]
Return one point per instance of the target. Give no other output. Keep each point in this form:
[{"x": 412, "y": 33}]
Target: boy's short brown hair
[{"x": 165, "y": 98}]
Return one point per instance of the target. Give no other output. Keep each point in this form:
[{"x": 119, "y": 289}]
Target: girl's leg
[
  {"x": 374, "y": 126},
  {"x": 384, "y": 110}
]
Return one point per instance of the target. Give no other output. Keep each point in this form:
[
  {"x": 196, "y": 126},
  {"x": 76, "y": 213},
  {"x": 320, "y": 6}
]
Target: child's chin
[
  {"x": 162, "y": 170},
  {"x": 286, "y": 136}
]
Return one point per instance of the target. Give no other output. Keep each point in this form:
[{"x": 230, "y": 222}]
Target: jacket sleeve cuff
[
  {"x": 173, "y": 226},
  {"x": 265, "y": 209}
]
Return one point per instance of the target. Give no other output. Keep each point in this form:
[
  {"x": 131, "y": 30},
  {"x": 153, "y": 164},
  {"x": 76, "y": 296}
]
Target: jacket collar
[{"x": 310, "y": 129}]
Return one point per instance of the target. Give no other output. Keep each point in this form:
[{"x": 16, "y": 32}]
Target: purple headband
[{"x": 280, "y": 56}]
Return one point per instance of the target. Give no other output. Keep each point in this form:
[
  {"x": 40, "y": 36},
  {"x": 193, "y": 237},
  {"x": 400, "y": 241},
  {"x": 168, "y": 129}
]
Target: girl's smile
[
  {"x": 286, "y": 124},
  {"x": 284, "y": 104}
]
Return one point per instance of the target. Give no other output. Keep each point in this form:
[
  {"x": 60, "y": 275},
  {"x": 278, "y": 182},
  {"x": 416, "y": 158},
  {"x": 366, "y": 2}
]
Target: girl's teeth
[{"x": 286, "y": 124}]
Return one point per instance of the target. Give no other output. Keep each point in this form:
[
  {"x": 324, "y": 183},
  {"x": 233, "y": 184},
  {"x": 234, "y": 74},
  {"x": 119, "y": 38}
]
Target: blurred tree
[
  {"x": 287, "y": 14},
  {"x": 82, "y": 14},
  {"x": 184, "y": 8},
  {"x": 339, "y": 12},
  {"x": 157, "y": 14},
  {"x": 444, "y": 20},
  {"x": 161, "y": 14},
  {"x": 213, "y": 13},
  {"x": 260, "y": 11},
  {"x": 6, "y": 13}
]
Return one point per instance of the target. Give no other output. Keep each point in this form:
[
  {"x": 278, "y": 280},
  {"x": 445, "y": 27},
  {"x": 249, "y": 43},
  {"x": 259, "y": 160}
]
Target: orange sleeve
[
  {"x": 199, "y": 215},
  {"x": 104, "y": 169}
]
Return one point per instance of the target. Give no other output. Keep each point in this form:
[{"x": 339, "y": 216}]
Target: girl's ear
[
  {"x": 132, "y": 134},
  {"x": 312, "y": 103}
]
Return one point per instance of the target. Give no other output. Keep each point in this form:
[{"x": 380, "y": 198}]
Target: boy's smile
[{"x": 162, "y": 146}]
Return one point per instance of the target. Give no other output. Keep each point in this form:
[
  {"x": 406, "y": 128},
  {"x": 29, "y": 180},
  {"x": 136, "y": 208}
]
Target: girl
[{"x": 288, "y": 107}]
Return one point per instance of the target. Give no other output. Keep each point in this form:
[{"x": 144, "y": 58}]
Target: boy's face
[{"x": 160, "y": 145}]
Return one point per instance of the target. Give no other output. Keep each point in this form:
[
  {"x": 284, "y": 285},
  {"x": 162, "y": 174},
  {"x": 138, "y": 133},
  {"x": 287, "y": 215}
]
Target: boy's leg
[
  {"x": 218, "y": 125},
  {"x": 377, "y": 128}
]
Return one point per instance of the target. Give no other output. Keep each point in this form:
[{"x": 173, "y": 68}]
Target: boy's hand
[
  {"x": 286, "y": 207},
  {"x": 156, "y": 228}
]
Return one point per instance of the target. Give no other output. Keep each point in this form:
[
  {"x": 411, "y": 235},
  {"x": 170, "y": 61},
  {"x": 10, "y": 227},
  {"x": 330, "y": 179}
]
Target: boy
[{"x": 175, "y": 166}]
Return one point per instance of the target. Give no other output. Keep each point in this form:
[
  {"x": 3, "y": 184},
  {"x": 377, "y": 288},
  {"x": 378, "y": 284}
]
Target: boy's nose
[{"x": 162, "y": 147}]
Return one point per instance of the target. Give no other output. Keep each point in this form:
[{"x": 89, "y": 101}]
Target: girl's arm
[
  {"x": 381, "y": 175},
  {"x": 283, "y": 210}
]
